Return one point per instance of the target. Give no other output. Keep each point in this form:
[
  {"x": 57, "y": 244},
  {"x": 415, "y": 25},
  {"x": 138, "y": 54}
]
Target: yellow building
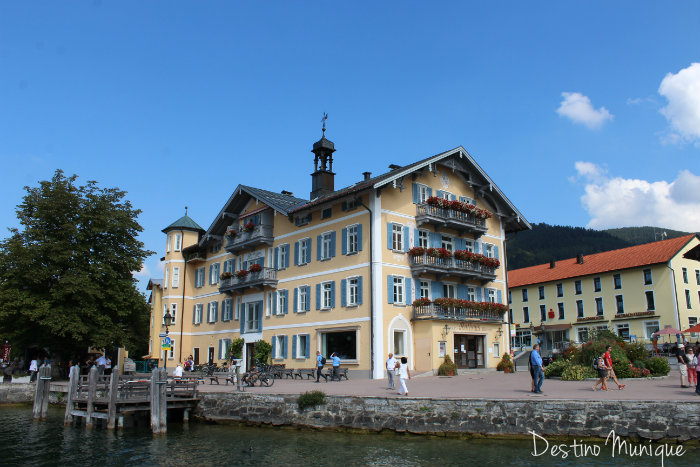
[
  {"x": 341, "y": 272},
  {"x": 633, "y": 292}
]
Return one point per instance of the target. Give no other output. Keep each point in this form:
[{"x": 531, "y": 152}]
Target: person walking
[
  {"x": 602, "y": 374},
  {"x": 692, "y": 365},
  {"x": 404, "y": 374},
  {"x": 536, "y": 361},
  {"x": 336, "y": 366},
  {"x": 682, "y": 366},
  {"x": 33, "y": 368},
  {"x": 390, "y": 369},
  {"x": 319, "y": 365},
  {"x": 609, "y": 367}
]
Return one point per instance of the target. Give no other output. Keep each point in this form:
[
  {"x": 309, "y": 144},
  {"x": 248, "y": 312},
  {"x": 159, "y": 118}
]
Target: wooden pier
[{"x": 110, "y": 397}]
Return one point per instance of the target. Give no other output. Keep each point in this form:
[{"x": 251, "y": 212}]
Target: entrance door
[
  {"x": 249, "y": 356},
  {"x": 195, "y": 355},
  {"x": 469, "y": 351},
  {"x": 211, "y": 355}
]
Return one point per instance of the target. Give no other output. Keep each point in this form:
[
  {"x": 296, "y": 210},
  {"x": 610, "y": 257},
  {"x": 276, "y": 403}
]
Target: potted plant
[
  {"x": 255, "y": 267},
  {"x": 506, "y": 364},
  {"x": 225, "y": 275},
  {"x": 241, "y": 274},
  {"x": 416, "y": 251},
  {"x": 421, "y": 302},
  {"x": 448, "y": 367},
  {"x": 249, "y": 227}
]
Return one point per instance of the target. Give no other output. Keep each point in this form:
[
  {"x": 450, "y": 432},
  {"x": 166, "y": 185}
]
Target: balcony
[
  {"x": 469, "y": 270},
  {"x": 243, "y": 240},
  {"x": 260, "y": 279},
  {"x": 433, "y": 311},
  {"x": 448, "y": 218}
]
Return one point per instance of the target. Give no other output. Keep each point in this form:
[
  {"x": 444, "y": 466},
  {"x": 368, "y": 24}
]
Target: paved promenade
[{"x": 492, "y": 385}]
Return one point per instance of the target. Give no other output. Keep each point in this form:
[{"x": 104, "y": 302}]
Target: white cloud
[
  {"x": 144, "y": 273},
  {"x": 683, "y": 110},
  {"x": 578, "y": 108},
  {"x": 624, "y": 202}
]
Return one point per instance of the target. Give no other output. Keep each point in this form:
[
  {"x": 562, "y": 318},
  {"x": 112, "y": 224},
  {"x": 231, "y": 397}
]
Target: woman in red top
[{"x": 609, "y": 365}]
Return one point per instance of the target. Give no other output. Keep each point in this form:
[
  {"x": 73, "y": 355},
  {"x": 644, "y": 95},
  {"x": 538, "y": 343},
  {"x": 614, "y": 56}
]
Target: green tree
[{"x": 66, "y": 276}]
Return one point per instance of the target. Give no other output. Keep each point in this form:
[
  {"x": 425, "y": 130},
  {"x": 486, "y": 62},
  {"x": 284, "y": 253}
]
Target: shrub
[
  {"x": 556, "y": 368},
  {"x": 237, "y": 346},
  {"x": 640, "y": 364},
  {"x": 506, "y": 364},
  {"x": 574, "y": 373},
  {"x": 639, "y": 372},
  {"x": 636, "y": 352},
  {"x": 448, "y": 367},
  {"x": 261, "y": 351},
  {"x": 311, "y": 399},
  {"x": 622, "y": 369},
  {"x": 658, "y": 366}
]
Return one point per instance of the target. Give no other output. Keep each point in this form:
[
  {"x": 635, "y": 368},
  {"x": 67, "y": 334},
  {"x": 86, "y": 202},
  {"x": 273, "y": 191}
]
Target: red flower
[{"x": 255, "y": 267}]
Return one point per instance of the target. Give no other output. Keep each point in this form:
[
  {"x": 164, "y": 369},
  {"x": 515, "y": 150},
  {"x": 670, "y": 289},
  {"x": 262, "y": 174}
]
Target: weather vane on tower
[{"x": 325, "y": 117}]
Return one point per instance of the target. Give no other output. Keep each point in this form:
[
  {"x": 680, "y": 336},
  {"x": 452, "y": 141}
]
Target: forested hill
[{"x": 554, "y": 242}]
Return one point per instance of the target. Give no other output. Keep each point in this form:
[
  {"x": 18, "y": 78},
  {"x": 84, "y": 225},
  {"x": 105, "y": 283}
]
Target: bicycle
[{"x": 261, "y": 375}]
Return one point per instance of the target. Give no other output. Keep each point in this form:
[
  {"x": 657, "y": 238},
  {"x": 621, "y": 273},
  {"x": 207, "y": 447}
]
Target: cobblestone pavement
[{"x": 489, "y": 385}]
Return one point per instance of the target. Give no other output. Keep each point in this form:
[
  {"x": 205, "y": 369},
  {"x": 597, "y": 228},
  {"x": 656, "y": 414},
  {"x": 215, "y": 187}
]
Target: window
[
  {"x": 446, "y": 243},
  {"x": 697, "y": 276},
  {"x": 423, "y": 238},
  {"x": 167, "y": 244},
  {"x": 167, "y": 277},
  {"x": 650, "y": 327},
  {"x": 176, "y": 277},
  {"x": 177, "y": 242},
  {"x": 599, "y": 306},
  {"x": 685, "y": 275},
  {"x": 281, "y": 302},
  {"x": 399, "y": 342},
  {"x": 471, "y": 294},
  {"x": 469, "y": 246},
  {"x": 619, "y": 304},
  {"x": 687, "y": 300},
  {"x": 449, "y": 291},
  {"x": 237, "y": 311},
  {"x": 197, "y": 314},
  {"x": 343, "y": 343},
  {"x": 596, "y": 284},
  {"x": 215, "y": 248},
  {"x": 423, "y": 193},
  {"x": 278, "y": 345},
  {"x": 623, "y": 330},
  {"x": 692, "y": 321},
  {"x": 647, "y": 276},
  {"x": 541, "y": 290},
  {"x": 579, "y": 308},
  {"x": 353, "y": 291},
  {"x": 302, "y": 252},
  {"x": 214, "y": 274},
  {"x": 396, "y": 237},
  {"x": 327, "y": 295},
  {"x": 492, "y": 295},
  {"x": 398, "y": 290},
  {"x": 543, "y": 313},
  {"x": 649, "y": 294},
  {"x": 523, "y": 338},
  {"x": 424, "y": 289},
  {"x": 283, "y": 256},
  {"x": 353, "y": 239},
  {"x": 524, "y": 295},
  {"x": 301, "y": 346},
  {"x": 526, "y": 315},
  {"x": 212, "y": 312},
  {"x": 560, "y": 306},
  {"x": 228, "y": 266},
  {"x": 560, "y": 289},
  {"x": 577, "y": 287},
  {"x": 303, "y": 303},
  {"x": 199, "y": 274},
  {"x": 299, "y": 221},
  {"x": 223, "y": 348},
  {"x": 489, "y": 250},
  {"x": 171, "y": 352},
  {"x": 326, "y": 213},
  {"x": 582, "y": 334},
  {"x": 227, "y": 309},
  {"x": 326, "y": 246},
  {"x": 252, "y": 317},
  {"x": 617, "y": 281},
  {"x": 173, "y": 312},
  {"x": 445, "y": 195},
  {"x": 268, "y": 306}
]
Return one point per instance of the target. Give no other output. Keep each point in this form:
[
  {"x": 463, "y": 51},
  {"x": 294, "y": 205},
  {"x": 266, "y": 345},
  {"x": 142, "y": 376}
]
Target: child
[{"x": 603, "y": 374}]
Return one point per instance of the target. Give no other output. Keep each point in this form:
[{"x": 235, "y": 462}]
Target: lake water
[{"x": 27, "y": 443}]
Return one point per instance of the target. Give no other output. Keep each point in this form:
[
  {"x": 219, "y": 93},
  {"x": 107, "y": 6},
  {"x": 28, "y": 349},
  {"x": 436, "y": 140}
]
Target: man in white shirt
[
  {"x": 33, "y": 368},
  {"x": 178, "y": 371},
  {"x": 101, "y": 364},
  {"x": 390, "y": 368}
]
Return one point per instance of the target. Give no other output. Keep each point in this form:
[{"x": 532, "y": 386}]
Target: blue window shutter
[
  {"x": 286, "y": 301},
  {"x": 333, "y": 244},
  {"x": 495, "y": 251},
  {"x": 308, "y": 250},
  {"x": 294, "y": 346},
  {"x": 307, "y": 351},
  {"x": 460, "y": 243},
  {"x": 284, "y": 348},
  {"x": 435, "y": 240},
  {"x": 359, "y": 237},
  {"x": 439, "y": 193},
  {"x": 344, "y": 242},
  {"x": 478, "y": 294},
  {"x": 390, "y": 288},
  {"x": 436, "y": 289},
  {"x": 415, "y": 237},
  {"x": 260, "y": 315},
  {"x": 318, "y": 249},
  {"x": 343, "y": 292},
  {"x": 215, "y": 306},
  {"x": 359, "y": 290},
  {"x": 474, "y": 202},
  {"x": 462, "y": 199},
  {"x": 453, "y": 198},
  {"x": 220, "y": 345},
  {"x": 194, "y": 313},
  {"x": 430, "y": 192},
  {"x": 388, "y": 235},
  {"x": 275, "y": 296},
  {"x": 406, "y": 240},
  {"x": 408, "y": 300},
  {"x": 277, "y": 254},
  {"x": 241, "y": 316},
  {"x": 286, "y": 256},
  {"x": 308, "y": 298},
  {"x": 296, "y": 299},
  {"x": 416, "y": 193},
  {"x": 296, "y": 253},
  {"x": 477, "y": 246},
  {"x": 318, "y": 296},
  {"x": 274, "y": 346},
  {"x": 499, "y": 296},
  {"x": 462, "y": 291},
  {"x": 333, "y": 294}
]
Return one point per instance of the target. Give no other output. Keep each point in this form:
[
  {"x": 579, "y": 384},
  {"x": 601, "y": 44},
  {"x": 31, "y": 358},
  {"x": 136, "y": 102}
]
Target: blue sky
[{"x": 584, "y": 113}]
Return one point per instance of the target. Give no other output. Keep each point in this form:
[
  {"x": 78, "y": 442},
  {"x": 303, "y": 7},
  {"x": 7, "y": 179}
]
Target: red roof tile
[{"x": 624, "y": 258}]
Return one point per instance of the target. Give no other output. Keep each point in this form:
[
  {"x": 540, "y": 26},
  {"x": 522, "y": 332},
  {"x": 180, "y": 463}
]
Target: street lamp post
[{"x": 167, "y": 321}]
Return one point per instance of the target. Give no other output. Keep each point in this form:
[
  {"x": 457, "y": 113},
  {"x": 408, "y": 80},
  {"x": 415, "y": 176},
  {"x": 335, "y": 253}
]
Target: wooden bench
[
  {"x": 214, "y": 377},
  {"x": 342, "y": 373},
  {"x": 309, "y": 373}
]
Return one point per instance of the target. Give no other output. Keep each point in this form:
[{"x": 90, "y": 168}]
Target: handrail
[
  {"x": 456, "y": 313},
  {"x": 425, "y": 209}
]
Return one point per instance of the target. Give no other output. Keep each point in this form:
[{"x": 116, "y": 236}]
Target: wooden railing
[
  {"x": 266, "y": 276},
  {"x": 428, "y": 212},
  {"x": 260, "y": 234},
  {"x": 453, "y": 265},
  {"x": 433, "y": 311}
]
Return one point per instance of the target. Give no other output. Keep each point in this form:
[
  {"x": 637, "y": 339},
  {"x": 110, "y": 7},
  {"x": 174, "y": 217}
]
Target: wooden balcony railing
[
  {"x": 260, "y": 235},
  {"x": 434, "y": 311},
  {"x": 260, "y": 279},
  {"x": 460, "y": 221},
  {"x": 452, "y": 267}
]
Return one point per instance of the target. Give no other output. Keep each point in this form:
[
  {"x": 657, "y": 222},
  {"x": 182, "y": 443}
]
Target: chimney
[
  {"x": 367, "y": 175},
  {"x": 579, "y": 258},
  {"x": 552, "y": 264}
]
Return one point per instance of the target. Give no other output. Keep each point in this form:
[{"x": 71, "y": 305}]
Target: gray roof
[
  {"x": 277, "y": 201},
  {"x": 184, "y": 223},
  {"x": 154, "y": 283}
]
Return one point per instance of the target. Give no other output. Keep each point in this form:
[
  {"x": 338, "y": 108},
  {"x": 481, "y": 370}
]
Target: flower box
[
  {"x": 225, "y": 275},
  {"x": 255, "y": 267},
  {"x": 241, "y": 274},
  {"x": 249, "y": 227}
]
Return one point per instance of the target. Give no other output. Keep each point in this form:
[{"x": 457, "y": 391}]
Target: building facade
[
  {"x": 410, "y": 262},
  {"x": 632, "y": 292}
]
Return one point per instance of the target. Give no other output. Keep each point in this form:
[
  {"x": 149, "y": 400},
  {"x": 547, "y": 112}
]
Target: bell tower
[{"x": 322, "y": 180}]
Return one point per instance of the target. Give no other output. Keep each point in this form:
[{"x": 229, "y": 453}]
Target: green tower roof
[{"x": 184, "y": 223}]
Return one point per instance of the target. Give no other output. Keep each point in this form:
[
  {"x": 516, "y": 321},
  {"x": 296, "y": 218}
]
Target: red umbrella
[
  {"x": 695, "y": 328},
  {"x": 668, "y": 331}
]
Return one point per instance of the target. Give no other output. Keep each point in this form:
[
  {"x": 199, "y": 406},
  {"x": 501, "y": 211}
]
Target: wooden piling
[
  {"x": 113, "y": 396},
  {"x": 72, "y": 392},
  {"x": 92, "y": 390},
  {"x": 41, "y": 393},
  {"x": 155, "y": 401},
  {"x": 163, "y": 413}
]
